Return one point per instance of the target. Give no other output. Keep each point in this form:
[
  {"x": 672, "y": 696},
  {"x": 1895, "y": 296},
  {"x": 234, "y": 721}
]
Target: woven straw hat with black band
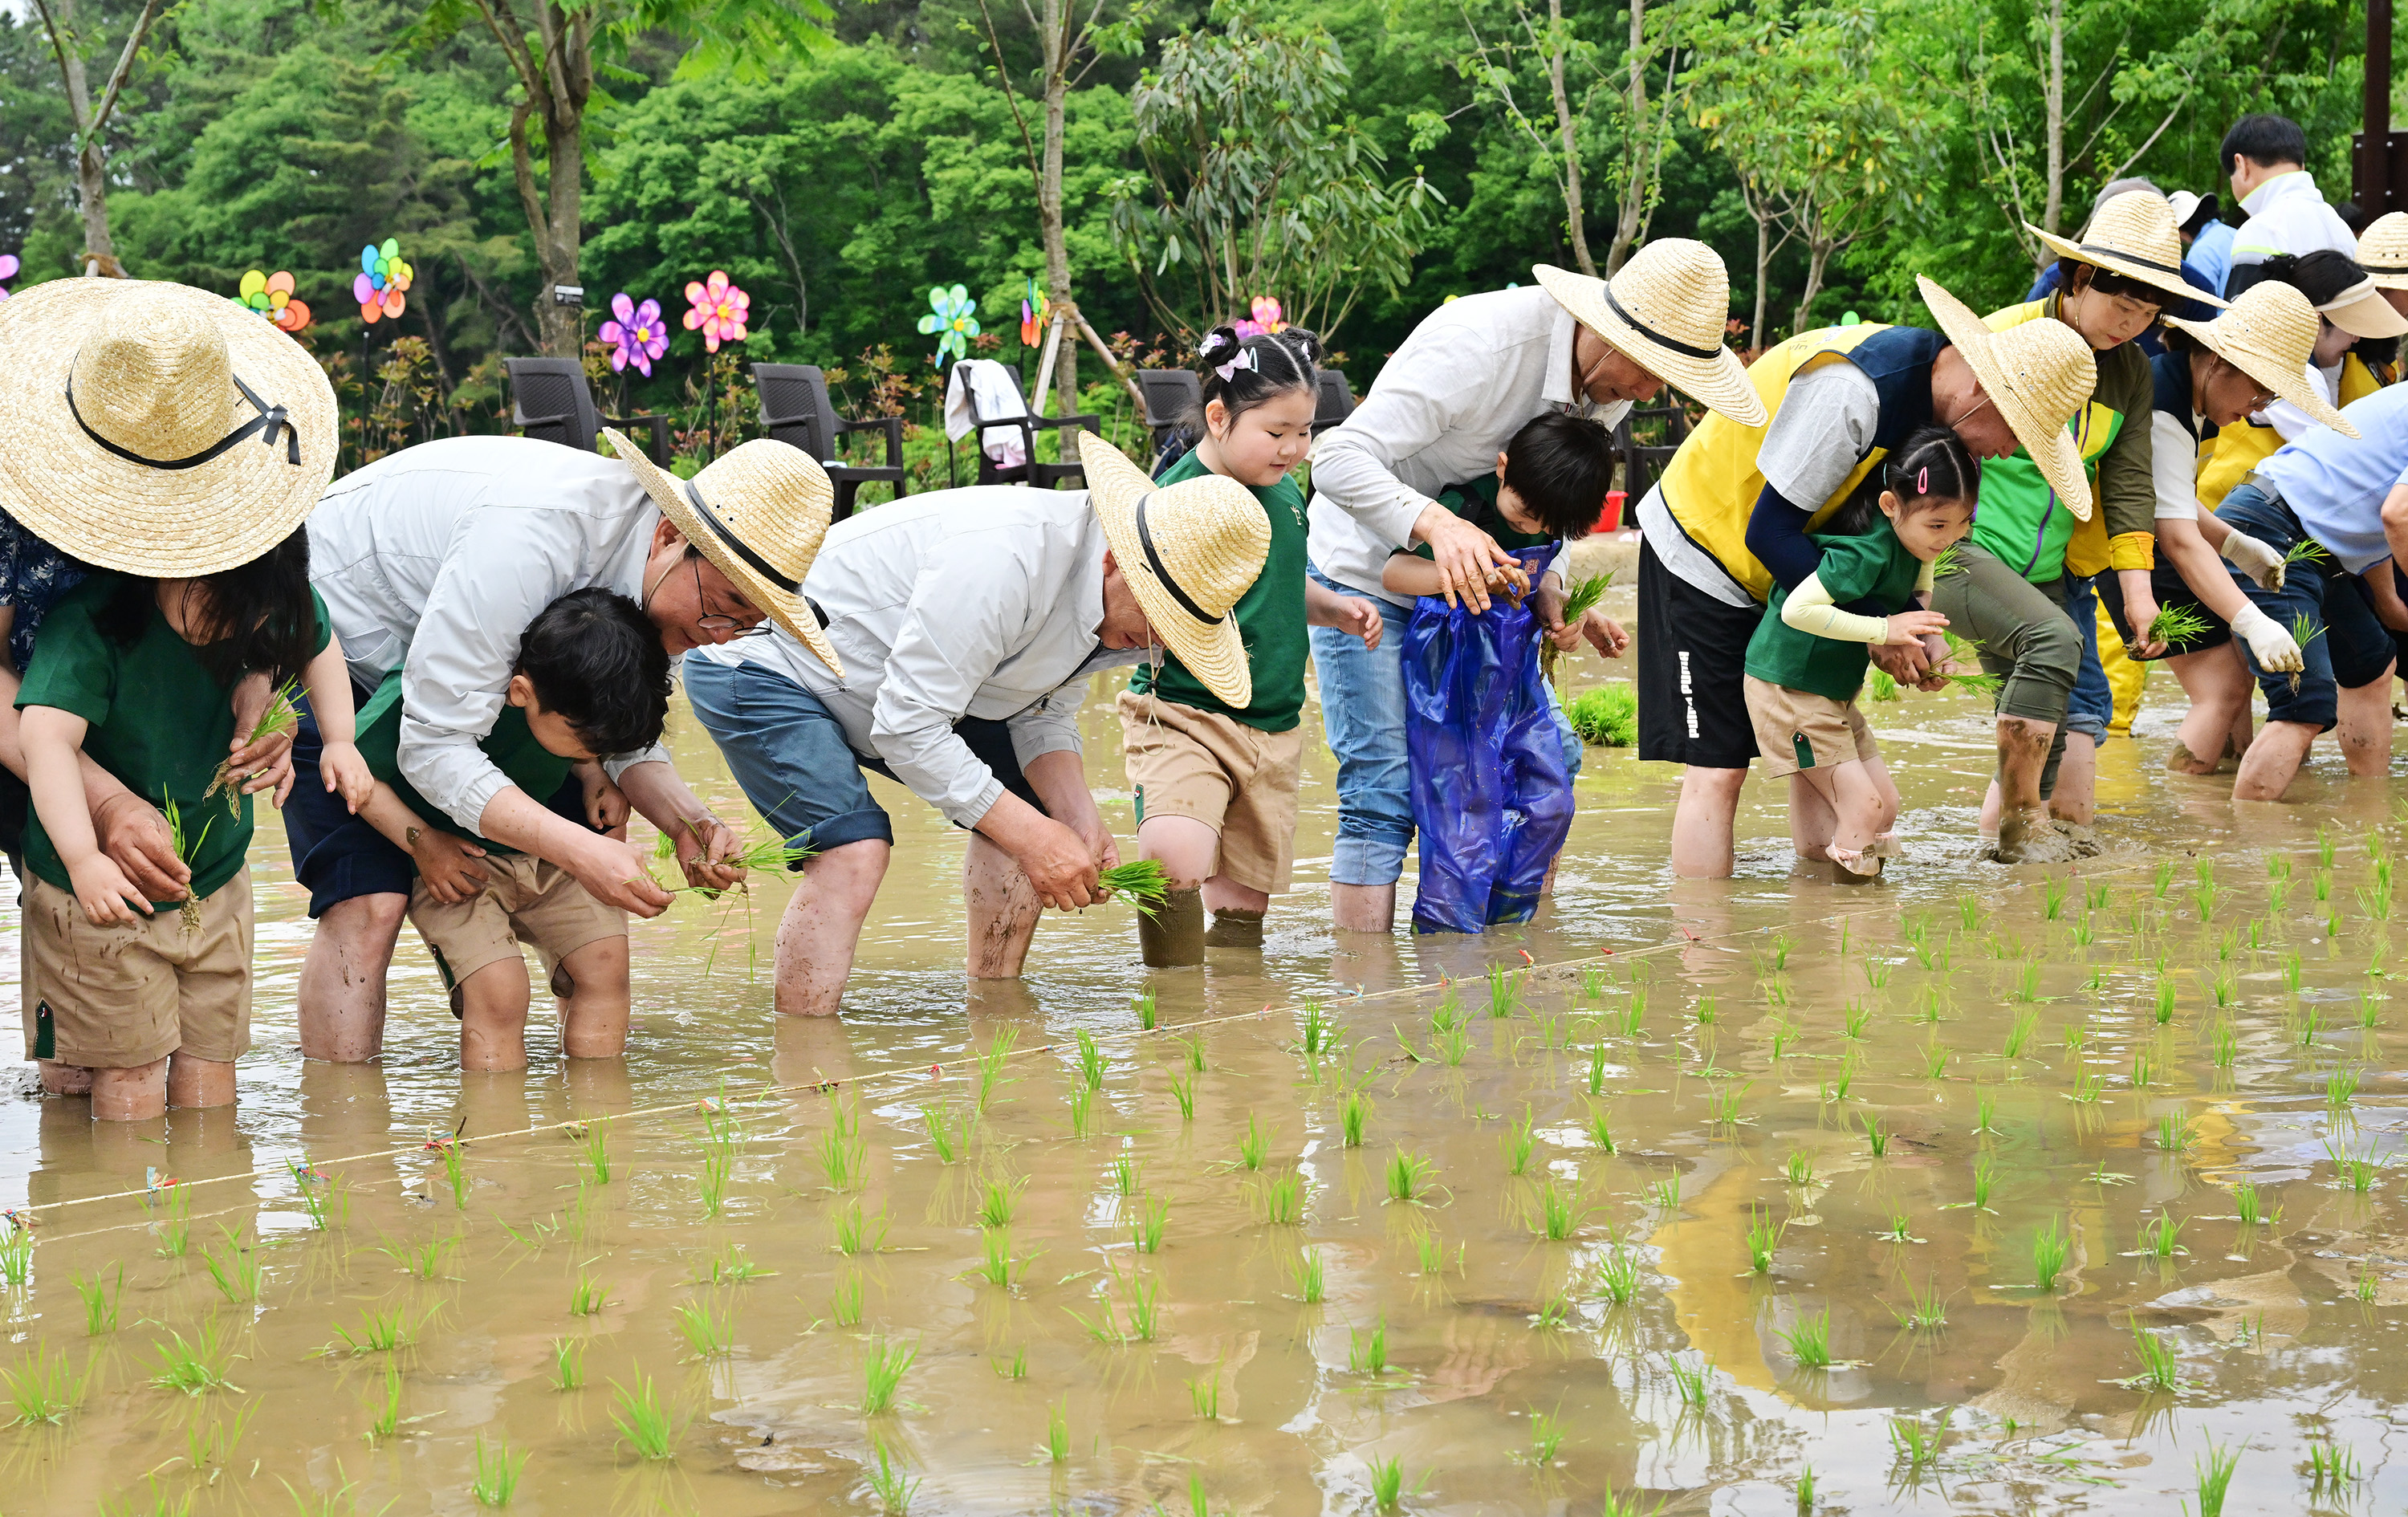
[
  {"x": 758, "y": 512},
  {"x": 2039, "y": 374},
  {"x": 156, "y": 429},
  {"x": 2270, "y": 334},
  {"x": 2133, "y": 234},
  {"x": 2383, "y": 251},
  {"x": 1666, "y": 311},
  {"x": 1188, "y": 551}
]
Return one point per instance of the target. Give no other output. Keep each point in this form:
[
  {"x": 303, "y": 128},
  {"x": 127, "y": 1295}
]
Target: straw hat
[
  {"x": 2383, "y": 251},
  {"x": 758, "y": 512},
  {"x": 157, "y": 429},
  {"x": 1666, "y": 310},
  {"x": 1188, "y": 551},
  {"x": 2133, "y": 234},
  {"x": 2270, "y": 334},
  {"x": 2038, "y": 374}
]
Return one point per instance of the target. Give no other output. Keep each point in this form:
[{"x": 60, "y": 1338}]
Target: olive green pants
[{"x": 2022, "y": 633}]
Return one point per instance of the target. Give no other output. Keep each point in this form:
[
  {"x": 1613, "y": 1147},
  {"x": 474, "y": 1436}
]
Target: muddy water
[{"x": 1736, "y": 1041}]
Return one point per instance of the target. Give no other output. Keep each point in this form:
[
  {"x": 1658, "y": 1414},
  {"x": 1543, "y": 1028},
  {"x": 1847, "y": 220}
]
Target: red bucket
[{"x": 1610, "y": 520}]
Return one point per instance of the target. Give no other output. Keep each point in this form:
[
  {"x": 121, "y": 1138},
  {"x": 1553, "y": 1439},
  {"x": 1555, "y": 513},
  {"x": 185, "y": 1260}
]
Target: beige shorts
[
  {"x": 525, "y": 900},
  {"x": 119, "y": 996},
  {"x": 1797, "y": 729},
  {"x": 1239, "y": 781}
]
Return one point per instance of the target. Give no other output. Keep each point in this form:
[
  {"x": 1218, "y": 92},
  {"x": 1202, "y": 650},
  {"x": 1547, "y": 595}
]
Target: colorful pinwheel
[
  {"x": 271, "y": 296},
  {"x": 1034, "y": 309},
  {"x": 1267, "y": 318},
  {"x": 637, "y": 335},
  {"x": 9, "y": 267},
  {"x": 719, "y": 310},
  {"x": 950, "y": 320},
  {"x": 383, "y": 275}
]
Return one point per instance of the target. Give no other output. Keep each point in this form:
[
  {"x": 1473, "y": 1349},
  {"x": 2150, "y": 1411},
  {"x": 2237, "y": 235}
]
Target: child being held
[
  {"x": 592, "y": 678},
  {"x": 1493, "y": 758},
  {"x": 1807, "y": 661},
  {"x": 133, "y": 675}
]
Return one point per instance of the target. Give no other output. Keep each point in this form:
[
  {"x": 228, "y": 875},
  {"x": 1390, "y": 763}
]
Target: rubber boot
[
  {"x": 1236, "y": 928},
  {"x": 1173, "y": 936}
]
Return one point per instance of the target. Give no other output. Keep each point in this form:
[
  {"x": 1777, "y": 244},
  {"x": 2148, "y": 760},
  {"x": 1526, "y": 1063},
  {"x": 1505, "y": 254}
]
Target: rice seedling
[
  {"x": 998, "y": 1198},
  {"x": 2320, "y": 883},
  {"x": 1596, "y": 1071},
  {"x": 1783, "y": 1033},
  {"x": 1692, "y": 1381},
  {"x": 1124, "y": 1172},
  {"x": 2330, "y": 1466},
  {"x": 1367, "y": 1350},
  {"x": 2178, "y": 626},
  {"x": 1015, "y": 1367},
  {"x": 2214, "y": 1478},
  {"x": 2019, "y": 1033},
  {"x": 1666, "y": 1193},
  {"x": 2325, "y": 845},
  {"x": 1799, "y": 1168},
  {"x": 2050, "y": 1249},
  {"x": 712, "y": 1181},
  {"x": 1453, "y": 1046},
  {"x": 859, "y": 1232},
  {"x": 1600, "y": 1130},
  {"x": 1763, "y": 1239},
  {"x": 2356, "y": 1170},
  {"x": 44, "y": 1390},
  {"x": 1854, "y": 1021},
  {"x": 100, "y": 1301},
  {"x": 326, "y": 1201},
  {"x": 1429, "y": 1251},
  {"x": 1144, "y": 881},
  {"x": 1353, "y": 1116},
  {"x": 1316, "y": 1031},
  {"x": 1986, "y": 1113},
  {"x": 380, "y": 1332},
  {"x": 2076, "y": 1038},
  {"x": 1727, "y": 1104},
  {"x": 991, "y": 1067},
  {"x": 2144, "y": 1069},
  {"x": 2028, "y": 983},
  {"x": 1283, "y": 1200},
  {"x": 1916, "y": 1444},
  {"x": 947, "y": 1127},
  {"x": 2087, "y": 1088},
  {"x": 1504, "y": 992},
  {"x": 1580, "y": 596},
  {"x": 1806, "y": 1488},
  {"x": 1546, "y": 1437},
  {"x": 1874, "y": 1138},
  {"x": 587, "y": 1297},
  {"x": 194, "y": 1364},
  {"x": 2084, "y": 933},
  {"x": 1408, "y": 1175},
  {"x": 1635, "y": 1013},
  {"x": 1091, "y": 1059},
  {"x": 2310, "y": 1027},
  {"x": 1309, "y": 1275},
  {"x": 1835, "y": 1090},
  {"x": 2368, "y": 1018},
  {"x": 1148, "y": 1017},
  {"x": 1182, "y": 1089},
  {"x": 16, "y": 1256},
  {"x": 2341, "y": 1086},
  {"x": 596, "y": 1150},
  {"x": 2245, "y": 1202},
  {"x": 2224, "y": 987},
  {"x": 2224, "y": 1045},
  {"x": 1705, "y": 1011},
  {"x": 2164, "y": 877},
  {"x": 1204, "y": 1395},
  {"x": 2161, "y": 1236},
  {"x": 498, "y": 1468},
  {"x": 1592, "y": 982},
  {"x": 845, "y": 1301},
  {"x": 567, "y": 1362},
  {"x": 1781, "y": 944},
  {"x": 2173, "y": 1133},
  {"x": 2160, "y": 1371},
  {"x": 1985, "y": 1179},
  {"x": 1878, "y": 972},
  {"x": 1057, "y": 1432},
  {"x": 1926, "y": 1310},
  {"x": 710, "y": 1335},
  {"x": 2097, "y": 897},
  {"x": 176, "y": 1231},
  {"x": 1256, "y": 1147},
  {"x": 2165, "y": 1007},
  {"x": 1144, "y": 1309},
  {"x": 1560, "y": 1210},
  {"x": 883, "y": 1368},
  {"x": 642, "y": 1421},
  {"x": 1809, "y": 1341},
  {"x": 386, "y": 1420},
  {"x": 2304, "y": 630},
  {"x": 1617, "y": 1276}
]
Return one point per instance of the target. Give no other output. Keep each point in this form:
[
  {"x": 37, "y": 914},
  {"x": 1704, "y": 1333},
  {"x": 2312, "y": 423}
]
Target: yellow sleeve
[{"x": 2132, "y": 551}]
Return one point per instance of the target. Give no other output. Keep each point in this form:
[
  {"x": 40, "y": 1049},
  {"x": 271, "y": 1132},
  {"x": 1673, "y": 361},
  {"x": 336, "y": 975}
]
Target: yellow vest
[
  {"x": 1712, "y": 483},
  {"x": 2239, "y": 449},
  {"x": 2087, "y": 548}
]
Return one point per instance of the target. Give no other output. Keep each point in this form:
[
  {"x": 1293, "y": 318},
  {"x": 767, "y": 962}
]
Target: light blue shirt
[
  {"x": 2211, "y": 254},
  {"x": 2336, "y": 485}
]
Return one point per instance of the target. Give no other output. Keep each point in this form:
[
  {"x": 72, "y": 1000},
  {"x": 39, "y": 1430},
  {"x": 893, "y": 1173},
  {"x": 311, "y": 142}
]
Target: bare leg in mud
[
  {"x": 1003, "y": 910},
  {"x": 822, "y": 927},
  {"x": 2022, "y": 754}
]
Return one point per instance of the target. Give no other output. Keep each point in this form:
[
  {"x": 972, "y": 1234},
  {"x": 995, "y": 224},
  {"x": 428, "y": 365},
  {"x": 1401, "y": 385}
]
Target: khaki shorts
[
  {"x": 525, "y": 900},
  {"x": 1797, "y": 729},
  {"x": 1239, "y": 781},
  {"x": 125, "y": 995}
]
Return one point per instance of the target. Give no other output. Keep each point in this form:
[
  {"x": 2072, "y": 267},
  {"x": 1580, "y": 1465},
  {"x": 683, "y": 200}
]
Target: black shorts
[
  {"x": 2165, "y": 582},
  {"x": 1692, "y": 665}
]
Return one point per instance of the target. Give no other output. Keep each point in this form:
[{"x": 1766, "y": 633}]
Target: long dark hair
[
  {"x": 255, "y": 616},
  {"x": 1259, "y": 368}
]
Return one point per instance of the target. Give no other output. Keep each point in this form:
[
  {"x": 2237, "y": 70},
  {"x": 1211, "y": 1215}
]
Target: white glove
[
  {"x": 2268, "y": 643},
  {"x": 2254, "y": 559}
]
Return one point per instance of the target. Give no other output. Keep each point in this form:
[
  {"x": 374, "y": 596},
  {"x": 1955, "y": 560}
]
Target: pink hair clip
[{"x": 1922, "y": 480}]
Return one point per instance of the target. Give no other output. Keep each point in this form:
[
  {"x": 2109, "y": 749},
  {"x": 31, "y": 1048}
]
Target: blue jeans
[
  {"x": 1363, "y": 717},
  {"x": 2346, "y": 647},
  {"x": 2092, "y": 707},
  {"x": 788, "y": 752}
]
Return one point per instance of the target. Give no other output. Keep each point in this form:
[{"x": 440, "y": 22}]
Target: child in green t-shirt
[
  {"x": 1807, "y": 660},
  {"x": 592, "y": 678},
  {"x": 133, "y": 675}
]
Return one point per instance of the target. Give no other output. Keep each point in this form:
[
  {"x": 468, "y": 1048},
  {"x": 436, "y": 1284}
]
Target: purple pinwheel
[
  {"x": 637, "y": 337},
  {"x": 9, "y": 267}
]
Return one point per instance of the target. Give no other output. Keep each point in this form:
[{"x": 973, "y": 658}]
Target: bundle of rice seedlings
[
  {"x": 1144, "y": 881},
  {"x": 2303, "y": 632},
  {"x": 2307, "y": 550},
  {"x": 1879, "y": 686},
  {"x": 1579, "y": 600},
  {"x": 1950, "y": 563},
  {"x": 185, "y": 848},
  {"x": 1962, "y": 667},
  {"x": 2178, "y": 626},
  {"x": 1605, "y": 717},
  {"x": 281, "y": 717}
]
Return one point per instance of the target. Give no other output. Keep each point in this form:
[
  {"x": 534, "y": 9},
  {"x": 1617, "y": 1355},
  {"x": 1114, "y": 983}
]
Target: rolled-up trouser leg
[{"x": 2024, "y": 635}]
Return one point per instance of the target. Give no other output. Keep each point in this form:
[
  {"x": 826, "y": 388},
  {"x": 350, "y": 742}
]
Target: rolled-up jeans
[
  {"x": 2024, "y": 634},
  {"x": 1363, "y": 716},
  {"x": 2091, "y": 708}
]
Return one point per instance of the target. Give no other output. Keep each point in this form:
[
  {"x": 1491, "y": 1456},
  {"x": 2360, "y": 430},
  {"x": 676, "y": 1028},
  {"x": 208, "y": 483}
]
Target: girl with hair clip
[
  {"x": 1216, "y": 786},
  {"x": 1807, "y": 661}
]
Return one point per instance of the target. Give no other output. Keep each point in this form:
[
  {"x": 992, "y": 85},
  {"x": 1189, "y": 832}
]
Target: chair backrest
[
  {"x": 1648, "y": 437},
  {"x": 1334, "y": 403},
  {"x": 551, "y": 400},
  {"x": 795, "y": 408},
  {"x": 996, "y": 377},
  {"x": 1171, "y": 395}
]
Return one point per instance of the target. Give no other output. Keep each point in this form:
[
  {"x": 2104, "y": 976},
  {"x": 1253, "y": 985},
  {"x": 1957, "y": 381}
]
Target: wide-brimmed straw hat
[
  {"x": 2270, "y": 334},
  {"x": 1188, "y": 551},
  {"x": 156, "y": 429},
  {"x": 2133, "y": 234},
  {"x": 759, "y": 512},
  {"x": 2383, "y": 251},
  {"x": 2038, "y": 374},
  {"x": 1667, "y": 309}
]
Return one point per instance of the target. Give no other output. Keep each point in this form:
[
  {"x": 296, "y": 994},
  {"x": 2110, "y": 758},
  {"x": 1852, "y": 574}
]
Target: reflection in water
[{"x": 1713, "y": 1063}]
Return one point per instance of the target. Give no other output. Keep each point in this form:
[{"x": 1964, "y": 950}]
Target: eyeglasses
[{"x": 710, "y": 622}]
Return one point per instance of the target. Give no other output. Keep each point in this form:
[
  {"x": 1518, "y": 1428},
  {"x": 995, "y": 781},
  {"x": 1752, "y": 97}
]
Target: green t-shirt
[
  {"x": 512, "y": 745},
  {"x": 158, "y": 723},
  {"x": 1271, "y": 620},
  {"x": 1476, "y": 503},
  {"x": 1875, "y": 566}
]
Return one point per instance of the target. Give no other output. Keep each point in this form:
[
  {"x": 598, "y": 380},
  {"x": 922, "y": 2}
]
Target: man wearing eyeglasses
[{"x": 431, "y": 561}]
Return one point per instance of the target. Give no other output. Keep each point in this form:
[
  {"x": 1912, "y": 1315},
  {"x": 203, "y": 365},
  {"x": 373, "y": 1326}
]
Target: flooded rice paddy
[{"x": 1982, "y": 1189}]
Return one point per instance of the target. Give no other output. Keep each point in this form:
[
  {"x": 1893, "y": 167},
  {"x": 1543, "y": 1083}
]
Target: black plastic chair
[
  {"x": 1043, "y": 476},
  {"x": 1172, "y": 396},
  {"x": 551, "y": 401},
  {"x": 1333, "y": 403},
  {"x": 1647, "y": 438},
  {"x": 795, "y": 409}
]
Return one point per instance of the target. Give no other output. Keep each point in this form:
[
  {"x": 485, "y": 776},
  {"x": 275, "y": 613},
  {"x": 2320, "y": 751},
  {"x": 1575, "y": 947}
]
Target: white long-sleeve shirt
[
  {"x": 1444, "y": 406},
  {"x": 980, "y": 602},
  {"x": 433, "y": 560}
]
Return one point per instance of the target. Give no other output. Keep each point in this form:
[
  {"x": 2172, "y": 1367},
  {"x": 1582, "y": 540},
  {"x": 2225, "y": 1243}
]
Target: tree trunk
[
  {"x": 1818, "y": 256},
  {"x": 92, "y": 120},
  {"x": 557, "y": 242},
  {"x": 1763, "y": 214},
  {"x": 1635, "y": 183},
  {"x": 2053, "y": 95},
  {"x": 1558, "y": 44},
  {"x": 1058, "y": 60}
]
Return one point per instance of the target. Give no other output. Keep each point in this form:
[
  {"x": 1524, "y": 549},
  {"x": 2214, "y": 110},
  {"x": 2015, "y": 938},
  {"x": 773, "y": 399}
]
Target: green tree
[{"x": 71, "y": 35}]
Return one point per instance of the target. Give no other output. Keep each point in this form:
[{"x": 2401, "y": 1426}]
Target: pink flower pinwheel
[
  {"x": 1267, "y": 318},
  {"x": 719, "y": 310},
  {"x": 9, "y": 267},
  {"x": 638, "y": 335}
]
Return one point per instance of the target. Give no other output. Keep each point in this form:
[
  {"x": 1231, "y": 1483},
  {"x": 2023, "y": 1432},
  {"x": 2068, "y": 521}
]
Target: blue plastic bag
[{"x": 1492, "y": 797}]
